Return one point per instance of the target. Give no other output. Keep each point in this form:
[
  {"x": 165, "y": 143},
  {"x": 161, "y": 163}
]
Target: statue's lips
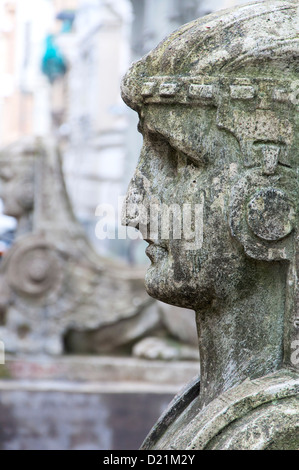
[{"x": 155, "y": 250}]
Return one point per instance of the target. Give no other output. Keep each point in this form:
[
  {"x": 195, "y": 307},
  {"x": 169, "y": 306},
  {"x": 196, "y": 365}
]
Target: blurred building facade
[
  {"x": 94, "y": 133},
  {"x": 83, "y": 107}
]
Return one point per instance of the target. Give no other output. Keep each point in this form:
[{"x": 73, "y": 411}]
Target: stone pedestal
[{"x": 89, "y": 403}]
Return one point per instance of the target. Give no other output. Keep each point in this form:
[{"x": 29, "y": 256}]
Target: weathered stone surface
[
  {"x": 52, "y": 281},
  {"x": 218, "y": 108},
  {"x": 258, "y": 414}
]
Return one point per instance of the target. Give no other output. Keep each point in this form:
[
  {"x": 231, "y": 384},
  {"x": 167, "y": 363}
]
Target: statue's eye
[
  {"x": 165, "y": 154},
  {"x": 184, "y": 160},
  {"x": 168, "y": 150}
]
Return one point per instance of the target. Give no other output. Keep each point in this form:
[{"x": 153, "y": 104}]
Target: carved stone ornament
[
  {"x": 218, "y": 107},
  {"x": 53, "y": 285}
]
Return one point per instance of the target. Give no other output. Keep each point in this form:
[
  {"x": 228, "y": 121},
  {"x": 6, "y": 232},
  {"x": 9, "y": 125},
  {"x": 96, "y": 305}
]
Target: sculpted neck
[{"x": 243, "y": 337}]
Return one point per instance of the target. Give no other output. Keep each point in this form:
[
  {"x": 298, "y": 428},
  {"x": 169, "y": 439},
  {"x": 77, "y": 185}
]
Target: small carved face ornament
[{"x": 17, "y": 189}]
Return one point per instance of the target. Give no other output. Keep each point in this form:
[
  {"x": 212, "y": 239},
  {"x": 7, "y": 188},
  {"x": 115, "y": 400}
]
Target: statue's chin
[
  {"x": 160, "y": 286},
  {"x": 158, "y": 283}
]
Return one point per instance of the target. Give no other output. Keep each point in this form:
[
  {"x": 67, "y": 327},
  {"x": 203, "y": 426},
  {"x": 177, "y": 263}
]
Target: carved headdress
[{"x": 253, "y": 56}]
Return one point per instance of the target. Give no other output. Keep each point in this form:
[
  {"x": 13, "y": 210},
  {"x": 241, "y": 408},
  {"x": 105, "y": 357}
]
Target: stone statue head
[
  {"x": 218, "y": 108},
  {"x": 32, "y": 187},
  {"x": 17, "y": 178}
]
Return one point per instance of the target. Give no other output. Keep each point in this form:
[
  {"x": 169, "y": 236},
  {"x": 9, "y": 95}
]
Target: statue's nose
[
  {"x": 134, "y": 210},
  {"x": 130, "y": 209}
]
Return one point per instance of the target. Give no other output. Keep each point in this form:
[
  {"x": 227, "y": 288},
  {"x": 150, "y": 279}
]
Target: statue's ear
[{"x": 263, "y": 213}]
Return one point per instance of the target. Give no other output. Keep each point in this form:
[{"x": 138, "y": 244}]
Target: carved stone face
[
  {"x": 220, "y": 129},
  {"x": 187, "y": 160},
  {"x": 17, "y": 187}
]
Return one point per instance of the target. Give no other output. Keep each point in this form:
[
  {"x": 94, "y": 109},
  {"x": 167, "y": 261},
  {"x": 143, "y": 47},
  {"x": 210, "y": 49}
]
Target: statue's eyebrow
[{"x": 145, "y": 126}]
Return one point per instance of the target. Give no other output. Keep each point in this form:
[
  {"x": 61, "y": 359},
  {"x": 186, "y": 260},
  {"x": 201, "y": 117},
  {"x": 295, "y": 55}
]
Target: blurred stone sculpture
[
  {"x": 53, "y": 285},
  {"x": 218, "y": 108}
]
